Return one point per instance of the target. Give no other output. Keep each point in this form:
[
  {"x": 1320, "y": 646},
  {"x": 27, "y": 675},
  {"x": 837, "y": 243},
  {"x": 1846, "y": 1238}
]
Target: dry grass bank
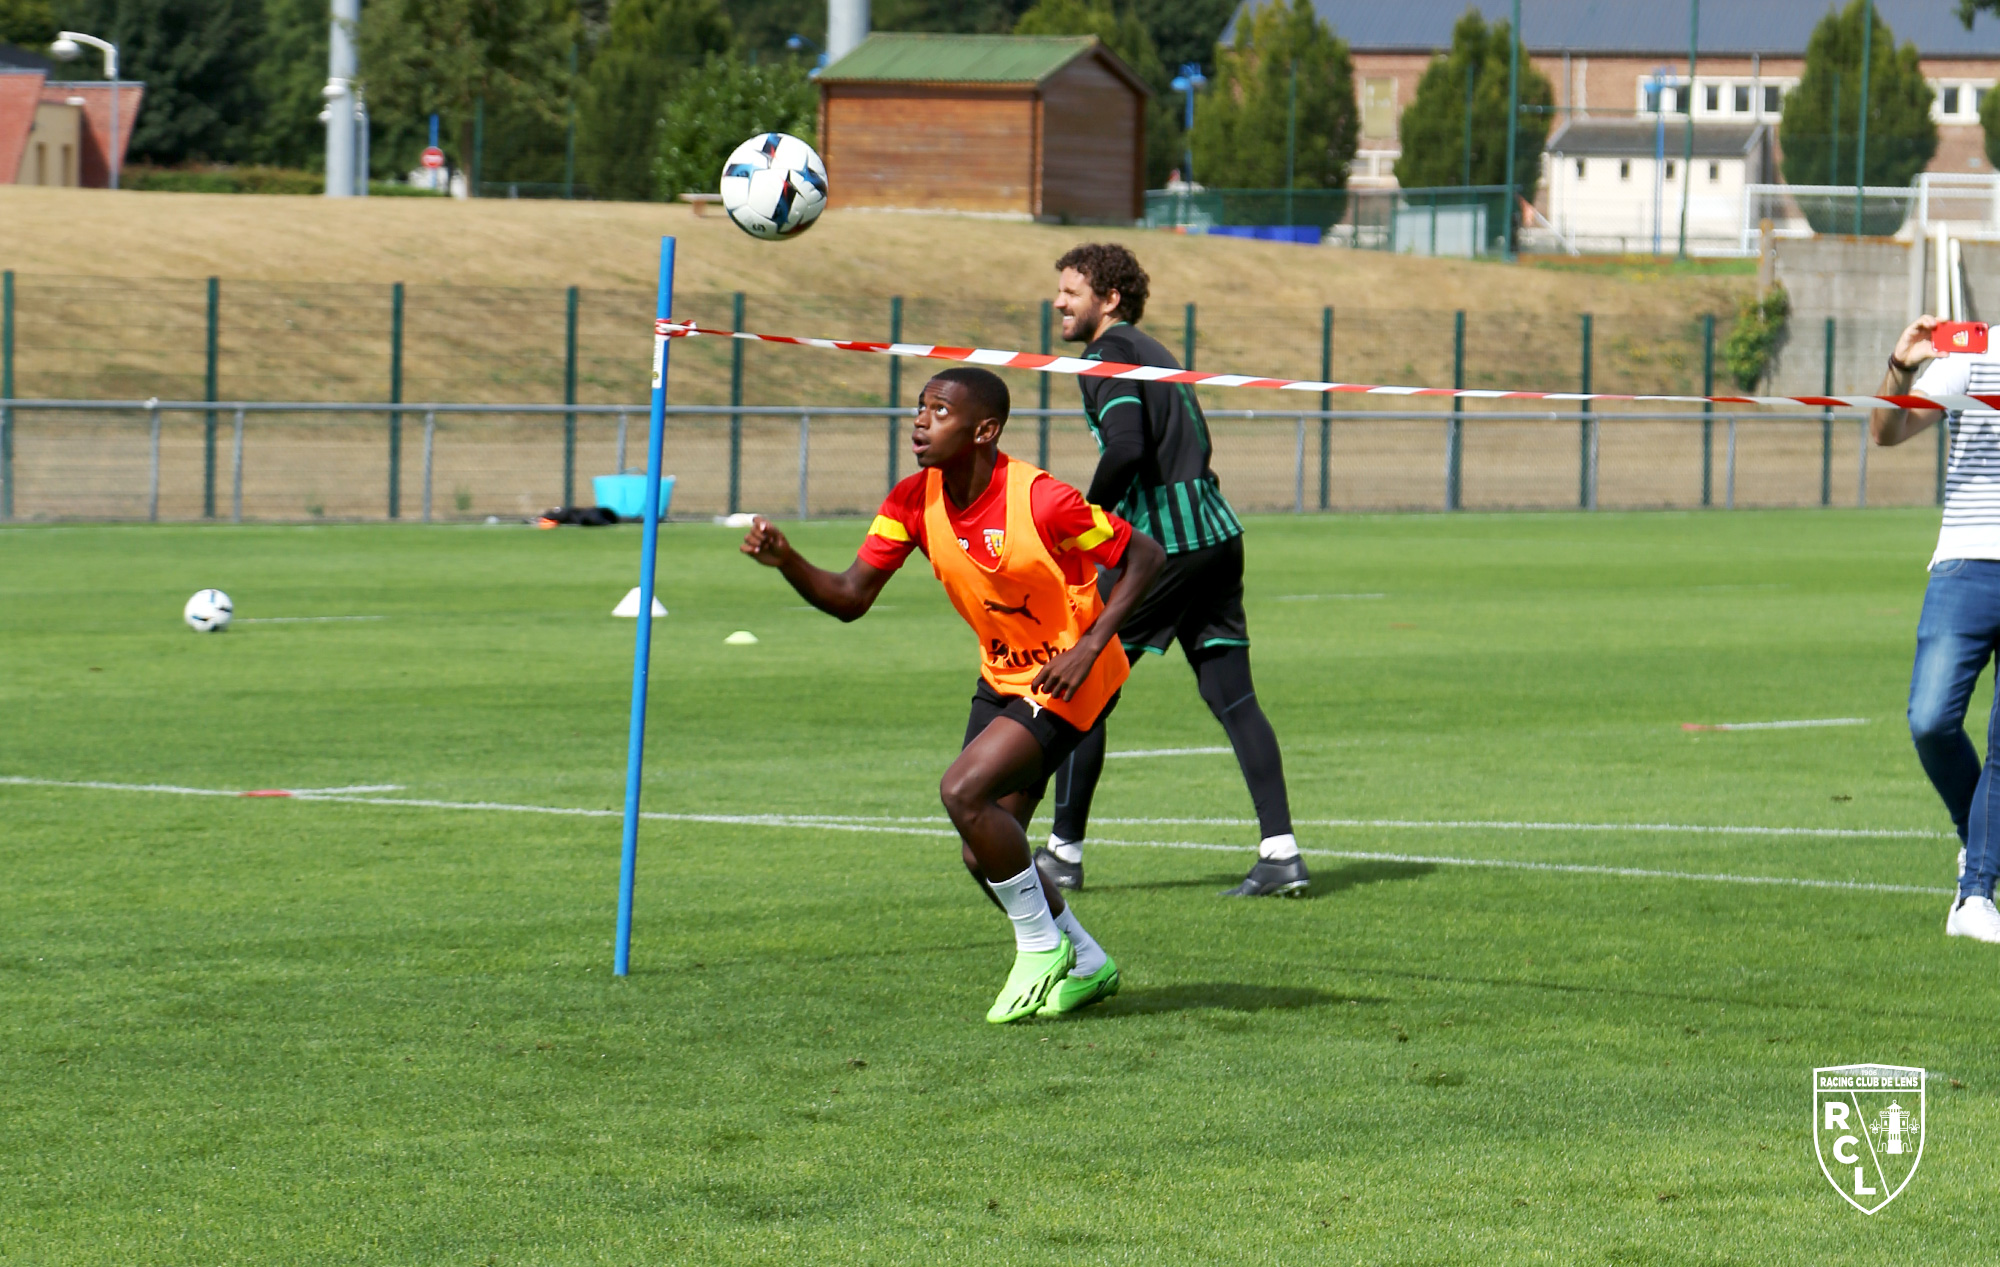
[{"x": 612, "y": 246}]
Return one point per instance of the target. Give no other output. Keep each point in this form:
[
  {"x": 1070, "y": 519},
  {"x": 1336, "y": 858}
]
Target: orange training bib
[{"x": 1024, "y": 610}]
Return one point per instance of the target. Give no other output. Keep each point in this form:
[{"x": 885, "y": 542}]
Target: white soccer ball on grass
[
  {"x": 210, "y": 611},
  {"x": 774, "y": 186}
]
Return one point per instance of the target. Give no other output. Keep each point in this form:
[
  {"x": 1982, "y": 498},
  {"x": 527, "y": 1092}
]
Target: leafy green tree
[
  {"x": 1819, "y": 131},
  {"x": 714, "y": 109},
  {"x": 1433, "y": 126},
  {"x": 765, "y": 25},
  {"x": 198, "y": 60},
  {"x": 1989, "y": 123},
  {"x": 1240, "y": 122},
  {"x": 29, "y": 24},
  {"x": 984, "y": 17},
  {"x": 1185, "y": 30},
  {"x": 649, "y": 47},
  {"x": 449, "y": 56},
  {"x": 290, "y": 71},
  {"x": 1124, "y": 34}
]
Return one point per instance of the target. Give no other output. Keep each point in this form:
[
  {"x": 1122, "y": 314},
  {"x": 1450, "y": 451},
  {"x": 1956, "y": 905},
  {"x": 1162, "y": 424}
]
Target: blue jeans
[{"x": 1956, "y": 635}]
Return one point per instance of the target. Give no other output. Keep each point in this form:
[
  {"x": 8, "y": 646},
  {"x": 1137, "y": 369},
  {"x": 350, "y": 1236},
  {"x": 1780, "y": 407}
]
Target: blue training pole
[{"x": 642, "y": 649}]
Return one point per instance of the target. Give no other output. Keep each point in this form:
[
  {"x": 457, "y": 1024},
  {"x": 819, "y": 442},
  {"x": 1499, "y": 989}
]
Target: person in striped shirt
[
  {"x": 1959, "y": 628},
  {"x": 1153, "y": 470}
]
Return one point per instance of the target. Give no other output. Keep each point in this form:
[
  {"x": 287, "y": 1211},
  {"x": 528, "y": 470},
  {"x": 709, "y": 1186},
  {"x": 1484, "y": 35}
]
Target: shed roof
[
  {"x": 1769, "y": 27},
  {"x": 893, "y": 57},
  {"x": 1636, "y": 138}
]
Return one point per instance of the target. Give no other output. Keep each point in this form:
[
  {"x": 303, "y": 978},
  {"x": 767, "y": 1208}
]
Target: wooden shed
[{"x": 1042, "y": 126}]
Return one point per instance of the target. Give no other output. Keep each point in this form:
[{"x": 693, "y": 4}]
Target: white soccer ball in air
[
  {"x": 774, "y": 186},
  {"x": 208, "y": 612}
]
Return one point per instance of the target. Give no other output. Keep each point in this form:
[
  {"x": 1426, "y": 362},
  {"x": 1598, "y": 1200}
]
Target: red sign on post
[{"x": 433, "y": 157}]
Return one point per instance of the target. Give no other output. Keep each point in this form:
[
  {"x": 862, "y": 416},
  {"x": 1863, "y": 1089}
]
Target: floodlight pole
[
  {"x": 1513, "y": 114},
  {"x": 65, "y": 48},
  {"x": 1861, "y": 140},
  {"x": 642, "y": 648},
  {"x": 1687, "y": 150},
  {"x": 342, "y": 68}
]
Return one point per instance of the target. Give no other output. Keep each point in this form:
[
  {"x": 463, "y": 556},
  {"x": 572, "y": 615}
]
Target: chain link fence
[
  {"x": 151, "y": 460},
  {"x": 541, "y": 383}
]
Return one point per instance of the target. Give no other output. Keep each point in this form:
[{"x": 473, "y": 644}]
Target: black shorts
[
  {"x": 1057, "y": 737},
  {"x": 1197, "y": 599}
]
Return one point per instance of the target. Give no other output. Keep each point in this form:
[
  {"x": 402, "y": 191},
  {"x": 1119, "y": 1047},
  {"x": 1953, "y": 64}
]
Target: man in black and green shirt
[{"x": 1154, "y": 470}]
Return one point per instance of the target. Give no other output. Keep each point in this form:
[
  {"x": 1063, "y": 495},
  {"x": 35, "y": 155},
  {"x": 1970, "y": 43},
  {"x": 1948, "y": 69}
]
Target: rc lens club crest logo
[{"x": 1868, "y": 1128}]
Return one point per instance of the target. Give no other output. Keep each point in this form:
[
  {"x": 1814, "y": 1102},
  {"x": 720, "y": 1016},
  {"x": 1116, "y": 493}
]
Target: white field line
[
  {"x": 1164, "y": 752},
  {"x": 865, "y": 822},
  {"x": 1307, "y": 598},
  {"x": 936, "y": 828},
  {"x": 335, "y": 791},
  {"x": 1484, "y": 824},
  {"x": 1775, "y": 725},
  {"x": 299, "y": 620}
]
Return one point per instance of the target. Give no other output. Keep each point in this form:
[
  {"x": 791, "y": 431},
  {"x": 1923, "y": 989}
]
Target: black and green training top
[{"x": 1154, "y": 449}]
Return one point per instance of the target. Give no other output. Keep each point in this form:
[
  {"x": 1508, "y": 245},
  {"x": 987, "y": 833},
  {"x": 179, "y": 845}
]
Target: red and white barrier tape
[{"x": 1155, "y": 374}]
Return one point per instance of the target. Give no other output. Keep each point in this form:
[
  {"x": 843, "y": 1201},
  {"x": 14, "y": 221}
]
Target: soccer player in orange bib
[{"x": 1015, "y": 549}]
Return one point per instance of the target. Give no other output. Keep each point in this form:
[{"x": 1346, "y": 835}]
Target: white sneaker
[{"x": 1974, "y": 917}]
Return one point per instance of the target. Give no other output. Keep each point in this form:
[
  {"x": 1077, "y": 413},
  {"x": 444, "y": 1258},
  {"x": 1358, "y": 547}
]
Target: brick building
[
  {"x": 1602, "y": 58},
  {"x": 1043, "y": 127},
  {"x": 55, "y": 132}
]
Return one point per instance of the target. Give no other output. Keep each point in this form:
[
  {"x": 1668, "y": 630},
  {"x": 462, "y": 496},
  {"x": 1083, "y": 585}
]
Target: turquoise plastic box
[{"x": 626, "y": 494}]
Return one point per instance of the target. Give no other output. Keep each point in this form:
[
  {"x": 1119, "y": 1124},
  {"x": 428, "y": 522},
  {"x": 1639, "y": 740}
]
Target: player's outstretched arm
[
  {"x": 1068, "y": 671},
  {"x": 847, "y": 595},
  {"x": 1893, "y": 426}
]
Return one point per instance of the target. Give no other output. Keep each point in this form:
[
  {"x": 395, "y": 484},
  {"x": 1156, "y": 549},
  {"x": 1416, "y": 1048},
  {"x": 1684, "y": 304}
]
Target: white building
[{"x": 1608, "y": 188}]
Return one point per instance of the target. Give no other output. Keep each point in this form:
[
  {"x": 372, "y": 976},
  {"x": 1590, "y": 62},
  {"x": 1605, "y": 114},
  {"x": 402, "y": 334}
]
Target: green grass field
[{"x": 286, "y": 1030}]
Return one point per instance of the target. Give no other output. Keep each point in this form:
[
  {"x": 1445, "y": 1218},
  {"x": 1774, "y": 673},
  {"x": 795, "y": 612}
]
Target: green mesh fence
[{"x": 124, "y": 339}]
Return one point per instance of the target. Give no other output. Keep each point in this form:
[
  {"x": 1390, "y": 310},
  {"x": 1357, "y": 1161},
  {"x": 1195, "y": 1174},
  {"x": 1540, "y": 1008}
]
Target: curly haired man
[{"x": 1154, "y": 469}]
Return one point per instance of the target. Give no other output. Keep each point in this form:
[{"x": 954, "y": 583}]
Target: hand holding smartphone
[{"x": 1959, "y": 336}]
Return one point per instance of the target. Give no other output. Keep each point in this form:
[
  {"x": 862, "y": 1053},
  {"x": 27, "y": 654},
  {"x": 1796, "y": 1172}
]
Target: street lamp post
[
  {"x": 342, "y": 69},
  {"x": 66, "y": 48},
  {"x": 1188, "y": 81}
]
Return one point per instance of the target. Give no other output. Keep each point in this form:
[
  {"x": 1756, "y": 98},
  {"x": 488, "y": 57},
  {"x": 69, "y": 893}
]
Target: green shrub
[
  {"x": 246, "y": 180},
  {"x": 1758, "y": 334}
]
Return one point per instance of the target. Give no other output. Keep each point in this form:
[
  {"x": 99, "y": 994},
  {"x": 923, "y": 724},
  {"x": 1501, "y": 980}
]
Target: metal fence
[
  {"x": 257, "y": 384},
  {"x": 303, "y": 461}
]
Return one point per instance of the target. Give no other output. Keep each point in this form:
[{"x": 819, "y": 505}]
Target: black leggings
[{"x": 1223, "y": 674}]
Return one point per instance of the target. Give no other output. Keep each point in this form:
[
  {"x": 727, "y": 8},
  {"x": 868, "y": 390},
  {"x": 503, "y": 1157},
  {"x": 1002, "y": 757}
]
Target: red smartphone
[{"x": 1959, "y": 336}]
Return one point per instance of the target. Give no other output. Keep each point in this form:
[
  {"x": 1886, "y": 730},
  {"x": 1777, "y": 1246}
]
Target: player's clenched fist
[{"x": 765, "y": 543}]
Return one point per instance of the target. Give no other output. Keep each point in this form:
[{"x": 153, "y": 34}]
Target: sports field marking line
[
  {"x": 1775, "y": 725},
  {"x": 1165, "y": 752},
  {"x": 892, "y": 827},
  {"x": 1306, "y": 598},
  {"x": 174, "y": 789},
  {"x": 885, "y": 822},
  {"x": 299, "y": 620},
  {"x": 1477, "y": 824}
]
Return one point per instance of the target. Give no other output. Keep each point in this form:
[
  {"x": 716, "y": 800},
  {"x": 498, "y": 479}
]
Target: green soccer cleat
[
  {"x": 1073, "y": 993},
  {"x": 1035, "y": 973}
]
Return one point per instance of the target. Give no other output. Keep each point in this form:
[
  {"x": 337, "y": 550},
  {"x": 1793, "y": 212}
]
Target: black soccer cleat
[
  {"x": 1273, "y": 878},
  {"x": 1067, "y": 876}
]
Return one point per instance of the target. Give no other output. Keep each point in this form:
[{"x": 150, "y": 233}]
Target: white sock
[
  {"x": 1278, "y": 848},
  {"x": 1070, "y": 851},
  {"x": 1028, "y": 907},
  {"x": 1089, "y": 955}
]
